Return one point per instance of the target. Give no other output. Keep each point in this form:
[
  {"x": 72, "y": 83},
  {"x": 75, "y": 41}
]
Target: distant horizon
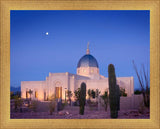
[{"x": 54, "y": 41}]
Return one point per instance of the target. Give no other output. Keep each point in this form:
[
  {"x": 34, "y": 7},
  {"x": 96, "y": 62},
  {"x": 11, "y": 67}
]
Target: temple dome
[{"x": 87, "y": 61}]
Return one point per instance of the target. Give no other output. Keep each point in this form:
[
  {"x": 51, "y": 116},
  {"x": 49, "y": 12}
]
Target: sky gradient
[{"x": 116, "y": 37}]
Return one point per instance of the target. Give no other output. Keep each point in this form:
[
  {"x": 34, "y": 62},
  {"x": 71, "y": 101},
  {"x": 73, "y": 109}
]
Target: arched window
[
  {"x": 92, "y": 71},
  {"x": 36, "y": 94}
]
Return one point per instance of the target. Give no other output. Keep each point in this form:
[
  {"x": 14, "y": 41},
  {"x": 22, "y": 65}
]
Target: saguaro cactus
[
  {"x": 82, "y": 98},
  {"x": 113, "y": 92},
  {"x": 118, "y": 97}
]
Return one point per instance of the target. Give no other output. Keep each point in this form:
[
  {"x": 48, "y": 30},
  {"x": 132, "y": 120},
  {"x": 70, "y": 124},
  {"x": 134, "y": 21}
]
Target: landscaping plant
[
  {"x": 118, "y": 97},
  {"x": 89, "y": 94},
  {"x": 123, "y": 92},
  {"x": 113, "y": 92},
  {"x": 82, "y": 99},
  {"x": 34, "y": 105},
  {"x": 143, "y": 79},
  {"x": 52, "y": 103},
  {"x": 17, "y": 102},
  {"x": 105, "y": 99},
  {"x": 69, "y": 95},
  {"x": 77, "y": 95}
]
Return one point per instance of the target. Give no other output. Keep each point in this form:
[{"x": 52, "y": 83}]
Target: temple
[{"x": 58, "y": 83}]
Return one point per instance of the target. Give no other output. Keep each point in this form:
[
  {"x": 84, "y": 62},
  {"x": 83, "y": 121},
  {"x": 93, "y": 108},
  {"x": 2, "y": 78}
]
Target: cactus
[
  {"x": 82, "y": 98},
  {"x": 113, "y": 92},
  {"x": 118, "y": 97}
]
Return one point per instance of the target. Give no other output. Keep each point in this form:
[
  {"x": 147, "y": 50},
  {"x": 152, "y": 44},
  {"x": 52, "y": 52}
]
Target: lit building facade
[{"x": 58, "y": 83}]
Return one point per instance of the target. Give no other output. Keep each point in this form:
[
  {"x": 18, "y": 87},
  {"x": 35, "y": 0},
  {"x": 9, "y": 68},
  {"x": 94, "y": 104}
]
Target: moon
[{"x": 47, "y": 33}]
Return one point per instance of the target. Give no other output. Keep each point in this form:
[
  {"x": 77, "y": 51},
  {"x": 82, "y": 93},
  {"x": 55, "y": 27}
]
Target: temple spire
[{"x": 87, "y": 48}]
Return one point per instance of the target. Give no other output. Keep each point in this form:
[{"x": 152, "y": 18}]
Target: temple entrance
[{"x": 58, "y": 92}]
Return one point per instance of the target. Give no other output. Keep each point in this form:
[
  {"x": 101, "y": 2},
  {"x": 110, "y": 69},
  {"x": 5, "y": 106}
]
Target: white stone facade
[
  {"x": 71, "y": 82},
  {"x": 58, "y": 83}
]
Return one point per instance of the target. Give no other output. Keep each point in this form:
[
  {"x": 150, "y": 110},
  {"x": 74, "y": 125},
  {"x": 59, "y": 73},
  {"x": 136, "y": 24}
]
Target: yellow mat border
[{"x": 7, "y": 5}]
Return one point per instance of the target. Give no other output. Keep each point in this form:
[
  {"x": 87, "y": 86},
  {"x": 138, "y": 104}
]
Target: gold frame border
[{"x": 7, "y": 5}]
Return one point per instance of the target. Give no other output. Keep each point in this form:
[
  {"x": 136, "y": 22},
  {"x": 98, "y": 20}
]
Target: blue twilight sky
[{"x": 116, "y": 37}]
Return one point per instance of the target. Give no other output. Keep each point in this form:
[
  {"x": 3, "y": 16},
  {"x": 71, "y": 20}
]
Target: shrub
[
  {"x": 141, "y": 108},
  {"x": 52, "y": 106},
  {"x": 34, "y": 105},
  {"x": 52, "y": 103},
  {"x": 17, "y": 102}
]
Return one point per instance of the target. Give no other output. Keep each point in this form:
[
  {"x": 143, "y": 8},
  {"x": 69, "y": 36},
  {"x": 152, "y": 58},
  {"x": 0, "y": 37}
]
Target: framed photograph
[{"x": 79, "y": 64}]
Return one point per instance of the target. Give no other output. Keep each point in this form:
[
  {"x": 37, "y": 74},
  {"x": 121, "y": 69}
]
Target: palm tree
[{"x": 30, "y": 93}]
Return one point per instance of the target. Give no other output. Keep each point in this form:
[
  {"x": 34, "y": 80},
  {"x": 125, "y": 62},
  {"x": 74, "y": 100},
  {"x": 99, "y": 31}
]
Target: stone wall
[{"x": 132, "y": 102}]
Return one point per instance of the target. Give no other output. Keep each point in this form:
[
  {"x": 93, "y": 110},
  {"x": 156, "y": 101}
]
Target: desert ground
[{"x": 72, "y": 112}]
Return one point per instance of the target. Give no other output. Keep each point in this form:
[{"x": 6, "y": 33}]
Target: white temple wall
[
  {"x": 71, "y": 82},
  {"x": 102, "y": 84},
  {"x": 37, "y": 86},
  {"x": 58, "y": 80},
  {"x": 72, "y": 85},
  {"x": 127, "y": 83},
  {"x": 94, "y": 84}
]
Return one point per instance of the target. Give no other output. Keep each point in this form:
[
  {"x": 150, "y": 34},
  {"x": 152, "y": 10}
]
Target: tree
[
  {"x": 97, "y": 92},
  {"x": 77, "y": 94},
  {"x": 105, "y": 99},
  {"x": 122, "y": 92},
  {"x": 89, "y": 94},
  {"x": 137, "y": 92},
  {"x": 11, "y": 95},
  {"x": 93, "y": 93},
  {"x": 17, "y": 93},
  {"x": 69, "y": 95},
  {"x": 97, "y": 98},
  {"x": 143, "y": 79}
]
